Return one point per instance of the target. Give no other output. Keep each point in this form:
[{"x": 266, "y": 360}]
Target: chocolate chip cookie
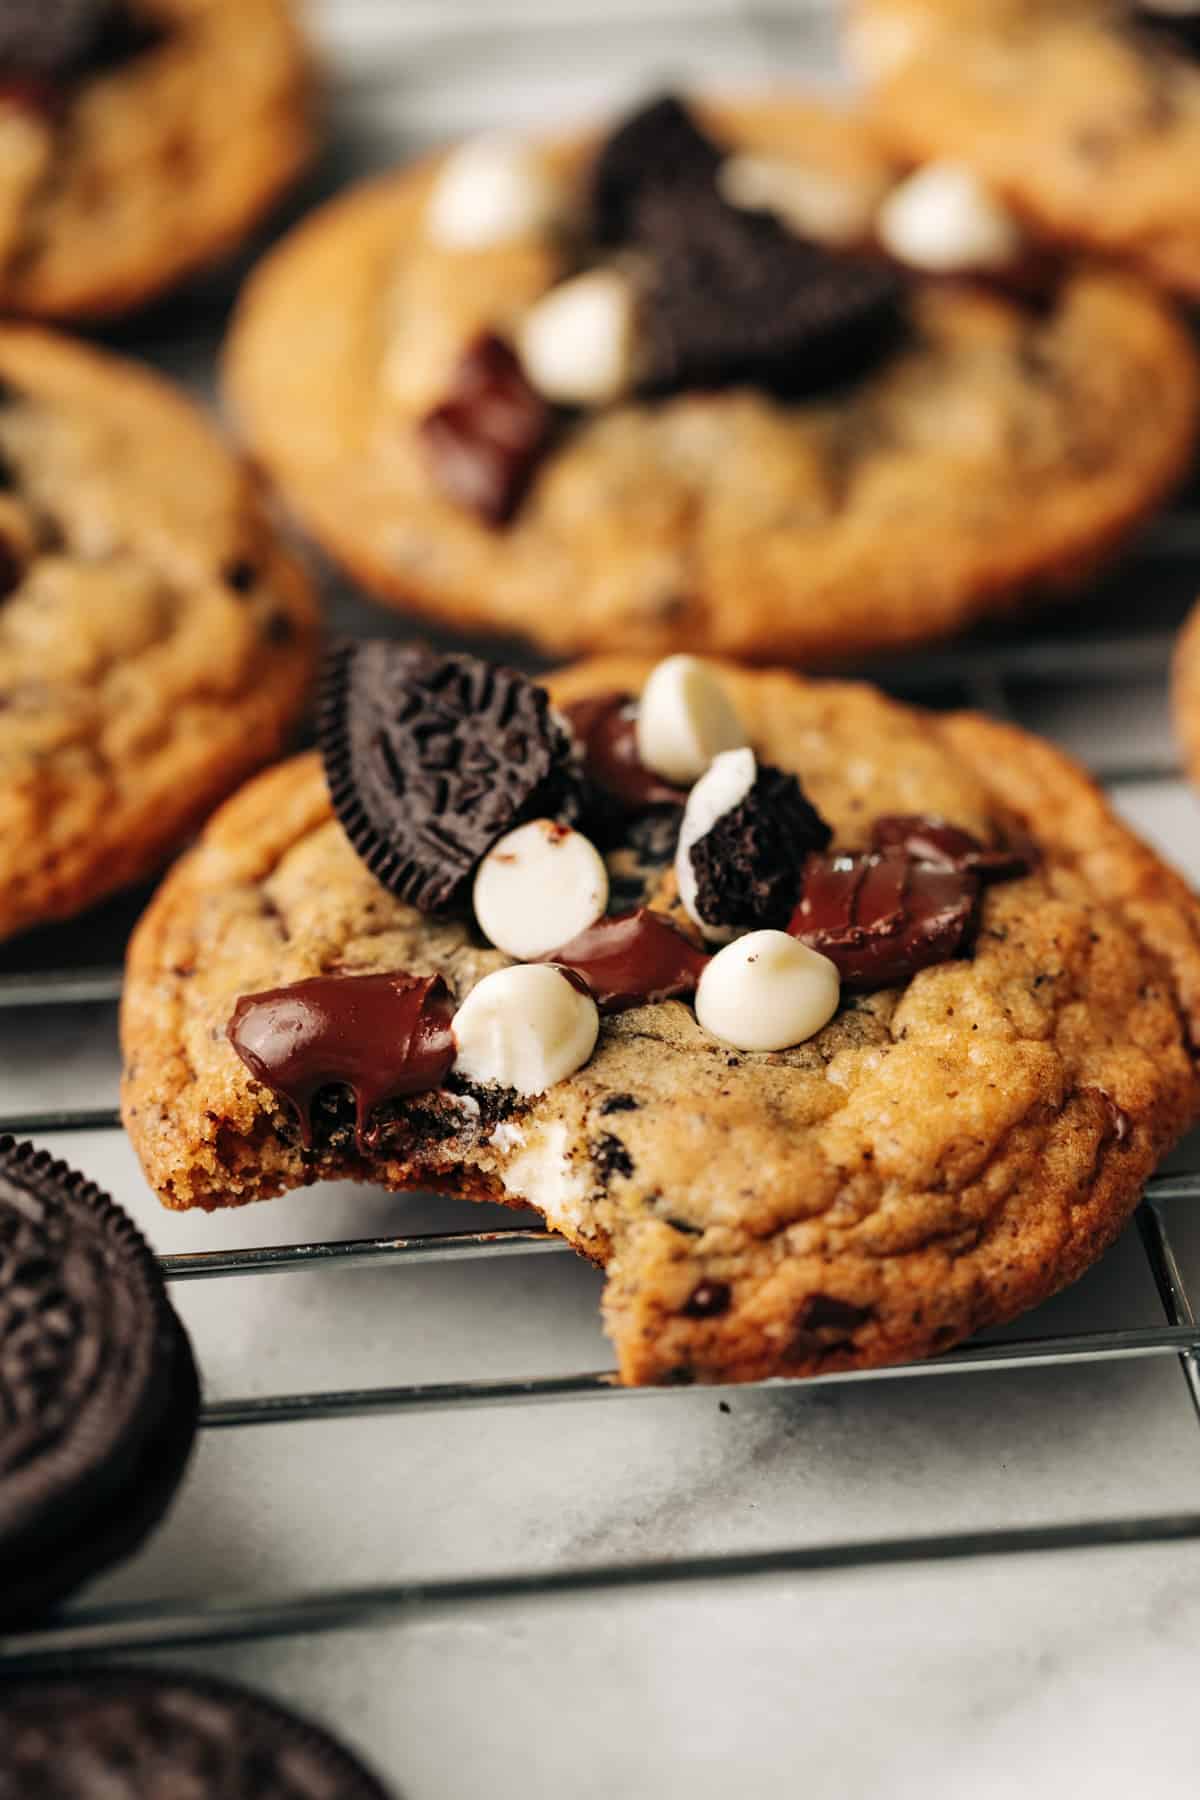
[
  {"x": 98, "y": 1391},
  {"x": 918, "y": 1105},
  {"x": 139, "y": 139},
  {"x": 140, "y": 1734},
  {"x": 1085, "y": 117},
  {"x": 156, "y": 641},
  {"x": 669, "y": 393}
]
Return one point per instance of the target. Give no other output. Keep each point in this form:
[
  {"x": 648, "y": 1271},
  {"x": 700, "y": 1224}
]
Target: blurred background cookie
[
  {"x": 156, "y": 641},
  {"x": 1085, "y": 117},
  {"x": 702, "y": 386},
  {"x": 140, "y": 139}
]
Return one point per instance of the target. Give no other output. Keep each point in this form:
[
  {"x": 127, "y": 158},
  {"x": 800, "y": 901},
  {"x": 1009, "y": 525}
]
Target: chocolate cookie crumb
[{"x": 749, "y": 867}]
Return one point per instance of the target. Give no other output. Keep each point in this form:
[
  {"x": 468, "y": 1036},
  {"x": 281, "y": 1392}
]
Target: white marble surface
[{"x": 1046, "y": 1675}]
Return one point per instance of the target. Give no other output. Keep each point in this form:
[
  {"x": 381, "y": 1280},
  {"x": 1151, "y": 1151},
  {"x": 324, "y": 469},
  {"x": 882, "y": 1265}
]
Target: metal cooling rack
[{"x": 992, "y": 674}]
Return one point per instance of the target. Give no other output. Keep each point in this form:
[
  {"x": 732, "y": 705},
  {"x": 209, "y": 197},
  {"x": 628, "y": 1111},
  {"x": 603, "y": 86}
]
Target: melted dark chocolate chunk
[
  {"x": 485, "y": 439},
  {"x": 749, "y": 867},
  {"x": 934, "y": 840},
  {"x": 881, "y": 916},
  {"x": 430, "y": 758},
  {"x": 604, "y": 726},
  {"x": 382, "y": 1036},
  {"x": 631, "y": 960}
]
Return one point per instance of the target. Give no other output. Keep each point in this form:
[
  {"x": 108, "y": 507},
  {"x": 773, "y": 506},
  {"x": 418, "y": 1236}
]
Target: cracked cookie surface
[
  {"x": 1085, "y": 122},
  {"x": 130, "y": 173},
  {"x": 940, "y": 1157},
  {"x": 1013, "y": 441},
  {"x": 156, "y": 641}
]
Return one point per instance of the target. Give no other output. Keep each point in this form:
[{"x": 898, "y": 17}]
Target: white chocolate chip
[
  {"x": 811, "y": 201},
  {"x": 943, "y": 219},
  {"x": 491, "y": 190},
  {"x": 685, "y": 719},
  {"x": 724, "y": 785},
  {"x": 578, "y": 344},
  {"x": 538, "y": 887},
  {"x": 524, "y": 1028},
  {"x": 767, "y": 991}
]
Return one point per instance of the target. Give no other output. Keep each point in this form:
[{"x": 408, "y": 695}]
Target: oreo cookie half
[
  {"x": 134, "y": 1734},
  {"x": 431, "y": 757},
  {"x": 731, "y": 295},
  {"x": 98, "y": 1389}
]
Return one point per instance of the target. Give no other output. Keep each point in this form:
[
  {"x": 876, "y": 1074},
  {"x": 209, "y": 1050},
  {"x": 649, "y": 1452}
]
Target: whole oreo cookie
[
  {"x": 98, "y": 1389},
  {"x": 430, "y": 758},
  {"x": 133, "y": 1734}
]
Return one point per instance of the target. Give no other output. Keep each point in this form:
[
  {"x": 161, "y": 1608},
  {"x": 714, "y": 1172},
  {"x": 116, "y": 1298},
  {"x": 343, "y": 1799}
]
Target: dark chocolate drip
[
  {"x": 606, "y": 729},
  {"x": 632, "y": 959},
  {"x": 934, "y": 840},
  {"x": 382, "y": 1036}
]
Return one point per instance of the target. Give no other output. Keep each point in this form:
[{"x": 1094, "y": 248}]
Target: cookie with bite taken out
[{"x": 817, "y": 1100}]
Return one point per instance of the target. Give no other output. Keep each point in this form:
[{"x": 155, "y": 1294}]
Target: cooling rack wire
[{"x": 985, "y": 676}]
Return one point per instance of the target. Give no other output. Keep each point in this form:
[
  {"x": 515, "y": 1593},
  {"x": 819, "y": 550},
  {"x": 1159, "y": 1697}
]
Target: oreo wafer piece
[
  {"x": 750, "y": 864},
  {"x": 732, "y": 295},
  {"x": 137, "y": 1734},
  {"x": 98, "y": 1389},
  {"x": 658, "y": 151},
  {"x": 431, "y": 757}
]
